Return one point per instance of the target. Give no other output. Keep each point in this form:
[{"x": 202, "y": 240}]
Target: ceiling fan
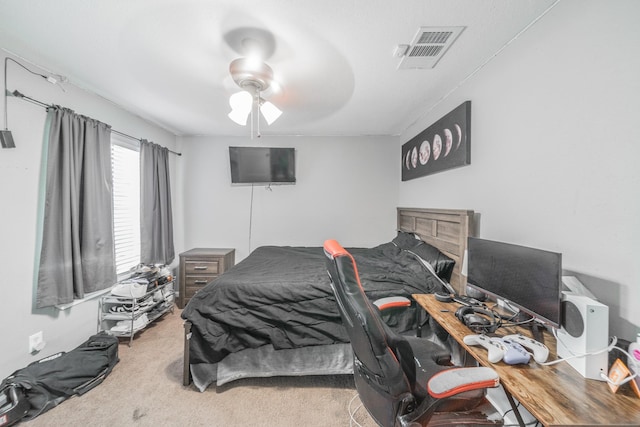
[{"x": 254, "y": 77}]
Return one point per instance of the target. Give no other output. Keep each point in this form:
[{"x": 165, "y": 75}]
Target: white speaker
[{"x": 584, "y": 329}]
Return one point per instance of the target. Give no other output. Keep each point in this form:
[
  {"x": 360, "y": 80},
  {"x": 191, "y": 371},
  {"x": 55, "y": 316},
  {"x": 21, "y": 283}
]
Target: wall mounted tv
[
  {"x": 527, "y": 278},
  {"x": 262, "y": 165}
]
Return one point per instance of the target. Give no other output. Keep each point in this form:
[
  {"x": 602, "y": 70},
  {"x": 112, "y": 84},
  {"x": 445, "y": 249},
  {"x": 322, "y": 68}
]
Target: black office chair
[{"x": 398, "y": 378}]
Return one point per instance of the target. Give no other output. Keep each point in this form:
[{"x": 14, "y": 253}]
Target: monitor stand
[
  {"x": 536, "y": 330},
  {"x": 522, "y": 319},
  {"x": 528, "y": 322}
]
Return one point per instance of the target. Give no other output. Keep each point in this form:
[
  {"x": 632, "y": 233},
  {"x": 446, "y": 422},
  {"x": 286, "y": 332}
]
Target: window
[{"x": 126, "y": 202}]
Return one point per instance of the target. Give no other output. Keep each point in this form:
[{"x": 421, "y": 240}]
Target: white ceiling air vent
[{"x": 428, "y": 46}]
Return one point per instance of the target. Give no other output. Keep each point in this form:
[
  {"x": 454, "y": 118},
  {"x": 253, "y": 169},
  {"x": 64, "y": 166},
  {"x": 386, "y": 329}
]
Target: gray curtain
[
  {"x": 77, "y": 254},
  {"x": 156, "y": 221}
]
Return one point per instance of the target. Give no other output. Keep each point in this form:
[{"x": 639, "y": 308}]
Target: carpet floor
[{"x": 145, "y": 389}]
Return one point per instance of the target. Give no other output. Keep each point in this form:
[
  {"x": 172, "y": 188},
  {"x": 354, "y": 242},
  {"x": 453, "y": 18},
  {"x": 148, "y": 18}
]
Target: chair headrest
[{"x": 333, "y": 249}]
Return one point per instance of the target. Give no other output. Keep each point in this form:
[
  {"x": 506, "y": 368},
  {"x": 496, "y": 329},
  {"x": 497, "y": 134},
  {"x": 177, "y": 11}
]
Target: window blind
[{"x": 126, "y": 202}]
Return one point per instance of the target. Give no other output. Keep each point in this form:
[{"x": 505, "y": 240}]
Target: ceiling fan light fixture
[
  {"x": 254, "y": 78},
  {"x": 241, "y": 104},
  {"x": 269, "y": 111},
  {"x": 240, "y": 116},
  {"x": 242, "y": 101}
]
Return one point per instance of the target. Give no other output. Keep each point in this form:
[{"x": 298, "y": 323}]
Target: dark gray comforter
[{"x": 282, "y": 296}]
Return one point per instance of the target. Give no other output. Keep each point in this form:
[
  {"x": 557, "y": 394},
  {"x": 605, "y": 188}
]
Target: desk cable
[
  {"x": 509, "y": 319},
  {"x": 533, "y": 423},
  {"x": 352, "y": 413},
  {"x": 603, "y": 375}
]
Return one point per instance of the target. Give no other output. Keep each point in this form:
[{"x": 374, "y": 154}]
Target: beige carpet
[{"x": 145, "y": 389}]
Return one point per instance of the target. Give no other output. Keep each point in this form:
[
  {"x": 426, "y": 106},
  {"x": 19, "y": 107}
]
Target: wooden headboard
[{"x": 446, "y": 229}]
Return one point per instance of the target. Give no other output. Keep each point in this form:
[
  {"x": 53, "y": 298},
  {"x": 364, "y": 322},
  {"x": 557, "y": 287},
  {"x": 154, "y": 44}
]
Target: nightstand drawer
[
  {"x": 198, "y": 281},
  {"x": 201, "y": 267},
  {"x": 190, "y": 291}
]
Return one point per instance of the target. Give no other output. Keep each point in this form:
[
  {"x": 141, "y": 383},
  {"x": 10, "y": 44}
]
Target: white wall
[
  {"x": 346, "y": 189},
  {"x": 555, "y": 145},
  {"x": 20, "y": 175}
]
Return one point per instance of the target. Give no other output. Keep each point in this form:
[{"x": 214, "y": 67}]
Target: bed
[{"x": 273, "y": 314}]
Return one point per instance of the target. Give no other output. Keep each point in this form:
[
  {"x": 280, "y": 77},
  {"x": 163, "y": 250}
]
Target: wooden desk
[{"x": 556, "y": 395}]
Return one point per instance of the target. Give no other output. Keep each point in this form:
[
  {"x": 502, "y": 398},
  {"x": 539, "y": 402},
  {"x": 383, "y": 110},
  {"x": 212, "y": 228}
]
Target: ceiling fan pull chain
[
  {"x": 251, "y": 116},
  {"x": 257, "y": 107}
]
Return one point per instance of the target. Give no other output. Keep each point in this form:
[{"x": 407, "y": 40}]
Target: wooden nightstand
[{"x": 198, "y": 267}]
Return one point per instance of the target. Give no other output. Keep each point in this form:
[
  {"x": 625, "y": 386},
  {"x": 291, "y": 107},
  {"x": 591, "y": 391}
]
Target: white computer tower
[{"x": 584, "y": 330}]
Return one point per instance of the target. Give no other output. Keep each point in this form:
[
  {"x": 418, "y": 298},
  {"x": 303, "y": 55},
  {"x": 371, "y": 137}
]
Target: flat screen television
[
  {"x": 262, "y": 165},
  {"x": 529, "y": 279}
]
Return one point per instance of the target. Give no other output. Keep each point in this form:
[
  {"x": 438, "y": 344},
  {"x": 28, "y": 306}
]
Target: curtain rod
[{"x": 17, "y": 94}]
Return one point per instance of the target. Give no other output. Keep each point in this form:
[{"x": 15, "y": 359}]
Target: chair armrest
[
  {"x": 392, "y": 302},
  {"x": 458, "y": 380}
]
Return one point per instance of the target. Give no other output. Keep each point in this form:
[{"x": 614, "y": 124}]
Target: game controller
[
  {"x": 495, "y": 348},
  {"x": 515, "y": 354},
  {"x": 540, "y": 351},
  {"x": 509, "y": 351}
]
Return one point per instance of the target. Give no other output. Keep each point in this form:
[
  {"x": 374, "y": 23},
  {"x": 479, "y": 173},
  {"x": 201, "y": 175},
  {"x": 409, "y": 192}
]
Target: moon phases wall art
[{"x": 444, "y": 145}]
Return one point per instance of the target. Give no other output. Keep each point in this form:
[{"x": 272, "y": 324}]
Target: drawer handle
[
  {"x": 200, "y": 282},
  {"x": 198, "y": 267}
]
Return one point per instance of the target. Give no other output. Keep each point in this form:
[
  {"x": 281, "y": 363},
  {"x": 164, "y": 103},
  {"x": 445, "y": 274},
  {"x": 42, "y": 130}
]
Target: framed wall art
[{"x": 444, "y": 145}]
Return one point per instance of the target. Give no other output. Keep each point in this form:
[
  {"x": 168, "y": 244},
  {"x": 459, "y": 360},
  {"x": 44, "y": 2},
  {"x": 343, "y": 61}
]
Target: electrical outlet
[{"x": 36, "y": 342}]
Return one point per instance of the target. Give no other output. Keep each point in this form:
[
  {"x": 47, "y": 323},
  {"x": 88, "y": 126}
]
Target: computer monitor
[{"x": 529, "y": 279}]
